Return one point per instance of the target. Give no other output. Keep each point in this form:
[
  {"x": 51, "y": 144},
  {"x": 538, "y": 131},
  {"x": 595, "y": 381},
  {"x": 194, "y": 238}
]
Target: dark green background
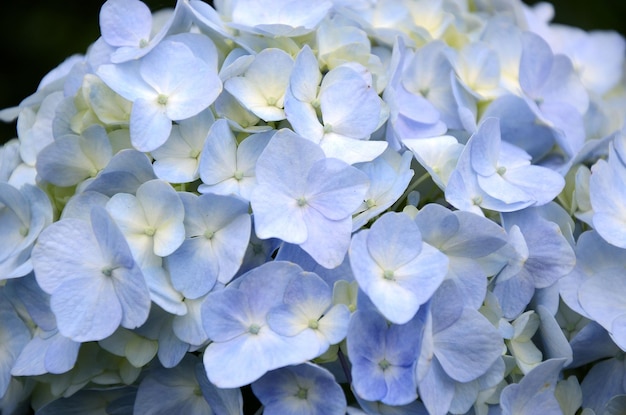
[{"x": 36, "y": 35}]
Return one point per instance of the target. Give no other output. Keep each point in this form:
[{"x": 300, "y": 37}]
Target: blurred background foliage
[{"x": 37, "y": 35}]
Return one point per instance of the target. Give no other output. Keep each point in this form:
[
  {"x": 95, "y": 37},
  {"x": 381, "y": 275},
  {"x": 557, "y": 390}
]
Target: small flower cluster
[{"x": 329, "y": 207}]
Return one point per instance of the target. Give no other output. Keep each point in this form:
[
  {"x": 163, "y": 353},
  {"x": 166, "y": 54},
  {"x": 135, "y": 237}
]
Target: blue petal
[
  {"x": 226, "y": 315},
  {"x": 221, "y": 401},
  {"x": 394, "y": 240},
  {"x": 179, "y": 384},
  {"x": 436, "y": 390},
  {"x": 278, "y": 391},
  {"x": 125, "y": 23},
  {"x": 481, "y": 346},
  {"x": 604, "y": 381},
  {"x": 14, "y": 336},
  {"x": 149, "y": 125},
  {"x": 86, "y": 309},
  {"x": 535, "y": 392}
]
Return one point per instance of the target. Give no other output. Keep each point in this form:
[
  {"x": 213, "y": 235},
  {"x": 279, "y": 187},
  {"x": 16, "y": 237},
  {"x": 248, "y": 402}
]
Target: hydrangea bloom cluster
[{"x": 330, "y": 207}]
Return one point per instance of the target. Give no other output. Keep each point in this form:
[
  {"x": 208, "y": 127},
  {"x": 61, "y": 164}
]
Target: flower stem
[
  {"x": 344, "y": 365},
  {"x": 408, "y": 190}
]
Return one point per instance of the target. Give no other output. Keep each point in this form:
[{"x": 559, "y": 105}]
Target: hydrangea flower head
[{"x": 334, "y": 207}]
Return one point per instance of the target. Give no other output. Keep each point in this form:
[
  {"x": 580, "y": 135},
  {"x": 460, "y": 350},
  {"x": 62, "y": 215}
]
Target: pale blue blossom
[
  {"x": 493, "y": 174},
  {"x": 261, "y": 87},
  {"x": 178, "y": 159},
  {"x": 553, "y": 340},
  {"x": 151, "y": 220},
  {"x": 438, "y": 155},
  {"x": 227, "y": 401},
  {"x": 159, "y": 327},
  {"x": 342, "y": 39},
  {"x": 244, "y": 347},
  {"x": 464, "y": 238},
  {"x": 240, "y": 118},
  {"x": 520, "y": 343},
  {"x": 591, "y": 333},
  {"x": 478, "y": 69},
  {"x": 597, "y": 55},
  {"x": 173, "y": 82},
  {"x": 395, "y": 268},
  {"x": 411, "y": 115},
  {"x": 48, "y": 351},
  {"x": 519, "y": 126},
  {"x": 470, "y": 395},
  {"x": 162, "y": 291},
  {"x": 427, "y": 73},
  {"x": 304, "y": 198},
  {"x": 553, "y": 92},
  {"x": 389, "y": 176},
  {"x": 295, "y": 254},
  {"x": 302, "y": 389},
  {"x": 277, "y": 18},
  {"x": 94, "y": 282},
  {"x": 569, "y": 395},
  {"x": 308, "y": 307},
  {"x": 349, "y": 107},
  {"x": 540, "y": 257},
  {"x": 384, "y": 356},
  {"x": 131, "y": 29},
  {"x": 126, "y": 23},
  {"x": 604, "y": 381},
  {"x": 32, "y": 302},
  {"x": 594, "y": 287},
  {"x": 505, "y": 39},
  {"x": 9, "y": 159},
  {"x": 210, "y": 21},
  {"x": 94, "y": 103},
  {"x": 535, "y": 392},
  {"x": 607, "y": 194},
  {"x": 126, "y": 171},
  {"x": 188, "y": 327},
  {"x": 34, "y": 128},
  {"x": 181, "y": 386},
  {"x": 72, "y": 158},
  {"x": 594, "y": 258},
  {"x": 14, "y": 336},
  {"x": 24, "y": 214},
  {"x": 444, "y": 360},
  {"x": 228, "y": 167},
  {"x": 217, "y": 231}
]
